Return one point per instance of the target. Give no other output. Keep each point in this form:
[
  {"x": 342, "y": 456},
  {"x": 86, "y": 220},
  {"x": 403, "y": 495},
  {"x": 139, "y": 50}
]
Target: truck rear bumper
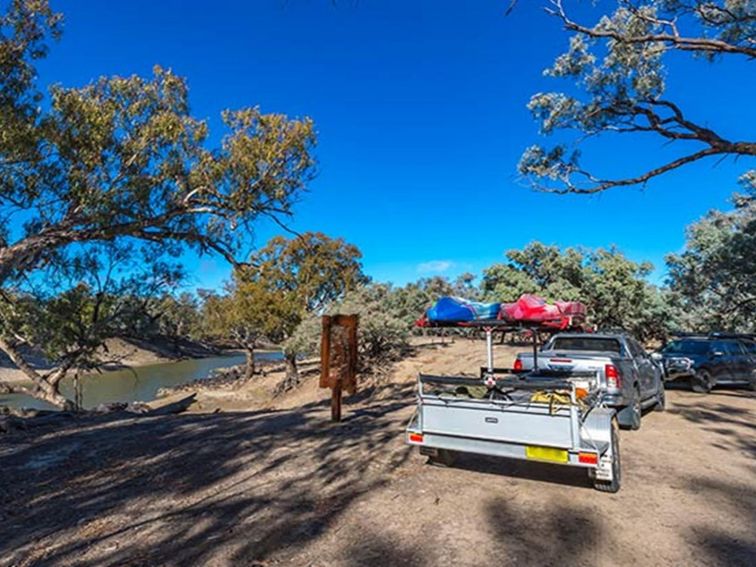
[{"x": 615, "y": 400}]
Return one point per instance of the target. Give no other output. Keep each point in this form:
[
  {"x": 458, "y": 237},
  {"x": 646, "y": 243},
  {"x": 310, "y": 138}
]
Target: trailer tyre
[{"x": 614, "y": 484}]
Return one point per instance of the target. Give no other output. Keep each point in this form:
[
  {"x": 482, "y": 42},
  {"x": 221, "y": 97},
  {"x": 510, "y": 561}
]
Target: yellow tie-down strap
[{"x": 554, "y": 399}]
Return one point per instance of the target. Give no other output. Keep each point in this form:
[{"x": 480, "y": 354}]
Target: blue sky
[{"x": 421, "y": 119}]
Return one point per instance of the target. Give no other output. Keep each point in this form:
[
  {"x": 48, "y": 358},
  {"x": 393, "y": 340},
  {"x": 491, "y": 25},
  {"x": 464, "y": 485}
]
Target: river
[{"x": 140, "y": 383}]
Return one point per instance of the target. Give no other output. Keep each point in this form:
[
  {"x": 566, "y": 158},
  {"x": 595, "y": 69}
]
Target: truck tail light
[
  {"x": 613, "y": 377},
  {"x": 416, "y": 437},
  {"x": 517, "y": 365}
]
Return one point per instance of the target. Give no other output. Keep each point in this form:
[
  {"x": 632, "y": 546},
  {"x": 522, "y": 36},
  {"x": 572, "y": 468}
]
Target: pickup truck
[{"x": 629, "y": 378}]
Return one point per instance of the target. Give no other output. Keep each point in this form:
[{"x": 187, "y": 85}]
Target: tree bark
[
  {"x": 41, "y": 391},
  {"x": 292, "y": 372},
  {"x": 41, "y": 387},
  {"x": 249, "y": 368},
  {"x": 54, "y": 397}
]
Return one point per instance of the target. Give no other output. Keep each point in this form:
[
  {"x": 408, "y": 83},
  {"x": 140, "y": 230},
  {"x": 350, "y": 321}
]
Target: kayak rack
[{"x": 491, "y": 326}]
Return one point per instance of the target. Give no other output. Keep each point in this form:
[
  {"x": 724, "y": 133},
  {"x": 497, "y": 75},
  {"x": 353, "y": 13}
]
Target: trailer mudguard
[{"x": 597, "y": 428}]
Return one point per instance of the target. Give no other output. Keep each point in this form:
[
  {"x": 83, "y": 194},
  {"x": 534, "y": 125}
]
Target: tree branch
[
  {"x": 604, "y": 184},
  {"x": 674, "y": 40}
]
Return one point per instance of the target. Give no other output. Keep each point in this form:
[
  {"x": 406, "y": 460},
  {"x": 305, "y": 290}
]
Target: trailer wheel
[
  {"x": 443, "y": 458},
  {"x": 614, "y": 484}
]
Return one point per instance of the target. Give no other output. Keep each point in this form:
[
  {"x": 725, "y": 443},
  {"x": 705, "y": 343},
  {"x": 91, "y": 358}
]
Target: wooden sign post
[{"x": 338, "y": 358}]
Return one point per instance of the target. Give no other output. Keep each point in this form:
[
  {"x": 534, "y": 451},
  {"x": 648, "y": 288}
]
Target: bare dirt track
[{"x": 282, "y": 486}]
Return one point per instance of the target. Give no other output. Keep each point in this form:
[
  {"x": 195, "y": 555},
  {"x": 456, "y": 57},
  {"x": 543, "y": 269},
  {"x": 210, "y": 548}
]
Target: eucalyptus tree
[
  {"x": 122, "y": 162},
  {"x": 714, "y": 277},
  {"x": 291, "y": 279},
  {"x": 618, "y": 65},
  {"x": 614, "y": 288}
]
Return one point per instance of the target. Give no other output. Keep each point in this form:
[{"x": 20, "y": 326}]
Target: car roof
[
  {"x": 591, "y": 335},
  {"x": 710, "y": 339}
]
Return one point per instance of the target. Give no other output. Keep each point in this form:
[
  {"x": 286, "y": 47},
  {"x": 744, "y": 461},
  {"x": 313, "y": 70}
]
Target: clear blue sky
[{"x": 421, "y": 119}]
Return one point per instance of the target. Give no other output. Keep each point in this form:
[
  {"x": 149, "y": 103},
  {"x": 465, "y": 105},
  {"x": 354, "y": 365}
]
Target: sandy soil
[{"x": 283, "y": 486}]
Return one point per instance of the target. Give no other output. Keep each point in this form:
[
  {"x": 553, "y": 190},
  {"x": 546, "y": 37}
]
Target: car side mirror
[{"x": 656, "y": 356}]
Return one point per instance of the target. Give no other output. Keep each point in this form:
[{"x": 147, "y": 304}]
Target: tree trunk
[
  {"x": 45, "y": 388},
  {"x": 249, "y": 368},
  {"x": 54, "y": 397},
  {"x": 40, "y": 391},
  {"x": 292, "y": 372}
]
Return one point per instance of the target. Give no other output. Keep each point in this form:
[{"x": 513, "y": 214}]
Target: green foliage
[
  {"x": 313, "y": 269},
  {"x": 278, "y": 294},
  {"x": 714, "y": 278},
  {"x": 122, "y": 164},
  {"x": 96, "y": 294},
  {"x": 383, "y": 328},
  {"x": 613, "y": 287},
  {"x": 618, "y": 65},
  {"x": 618, "y": 296},
  {"x": 178, "y": 316}
]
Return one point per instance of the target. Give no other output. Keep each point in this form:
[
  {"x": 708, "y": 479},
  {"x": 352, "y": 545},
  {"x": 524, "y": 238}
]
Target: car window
[
  {"x": 749, "y": 346},
  {"x": 687, "y": 346},
  {"x": 733, "y": 347},
  {"x": 600, "y": 344},
  {"x": 635, "y": 349},
  {"x": 719, "y": 346}
]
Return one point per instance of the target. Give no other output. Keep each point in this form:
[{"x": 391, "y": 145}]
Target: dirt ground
[{"x": 283, "y": 486}]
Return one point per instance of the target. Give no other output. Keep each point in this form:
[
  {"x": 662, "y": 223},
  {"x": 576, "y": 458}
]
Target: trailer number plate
[{"x": 546, "y": 454}]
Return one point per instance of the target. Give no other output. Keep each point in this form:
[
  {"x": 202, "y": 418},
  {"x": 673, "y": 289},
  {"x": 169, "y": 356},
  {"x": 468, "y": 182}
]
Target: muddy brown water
[{"x": 136, "y": 384}]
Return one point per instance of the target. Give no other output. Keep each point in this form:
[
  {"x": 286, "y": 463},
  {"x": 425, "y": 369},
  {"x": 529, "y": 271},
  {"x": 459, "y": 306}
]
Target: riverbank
[
  {"x": 133, "y": 372},
  {"x": 119, "y": 353},
  {"x": 226, "y": 389}
]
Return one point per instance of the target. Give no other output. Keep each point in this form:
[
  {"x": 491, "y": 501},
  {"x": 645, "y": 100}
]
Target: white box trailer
[{"x": 543, "y": 415}]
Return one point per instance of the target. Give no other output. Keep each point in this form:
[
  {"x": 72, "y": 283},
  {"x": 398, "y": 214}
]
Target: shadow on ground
[
  {"x": 190, "y": 489},
  {"x": 719, "y": 544},
  {"x": 734, "y": 427},
  {"x": 520, "y": 469}
]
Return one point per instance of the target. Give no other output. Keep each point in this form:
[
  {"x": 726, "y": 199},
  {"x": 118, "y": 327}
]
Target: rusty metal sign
[{"x": 338, "y": 358}]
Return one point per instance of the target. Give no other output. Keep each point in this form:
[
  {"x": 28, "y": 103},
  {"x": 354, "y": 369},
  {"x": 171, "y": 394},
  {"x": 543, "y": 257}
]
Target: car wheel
[
  {"x": 661, "y": 399},
  {"x": 702, "y": 382},
  {"x": 637, "y": 411}
]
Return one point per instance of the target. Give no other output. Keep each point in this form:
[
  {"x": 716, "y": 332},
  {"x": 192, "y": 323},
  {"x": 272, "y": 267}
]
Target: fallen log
[{"x": 168, "y": 406}]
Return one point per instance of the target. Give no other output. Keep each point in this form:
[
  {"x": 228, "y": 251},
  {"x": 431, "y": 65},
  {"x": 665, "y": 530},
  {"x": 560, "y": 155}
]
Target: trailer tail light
[
  {"x": 416, "y": 437},
  {"x": 613, "y": 377},
  {"x": 518, "y": 365},
  {"x": 588, "y": 458}
]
